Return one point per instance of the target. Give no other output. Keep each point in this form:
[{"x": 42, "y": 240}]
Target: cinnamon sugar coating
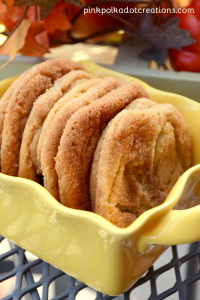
[
  {"x": 30, "y": 86},
  {"x": 28, "y": 165},
  {"x": 79, "y": 140},
  {"x": 139, "y": 157},
  {"x": 54, "y": 131}
]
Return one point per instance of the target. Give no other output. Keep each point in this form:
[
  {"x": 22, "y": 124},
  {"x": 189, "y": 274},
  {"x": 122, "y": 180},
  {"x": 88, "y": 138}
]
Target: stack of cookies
[{"x": 94, "y": 143}]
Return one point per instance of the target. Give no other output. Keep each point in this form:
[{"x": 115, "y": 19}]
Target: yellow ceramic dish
[
  {"x": 4, "y": 84},
  {"x": 85, "y": 245}
]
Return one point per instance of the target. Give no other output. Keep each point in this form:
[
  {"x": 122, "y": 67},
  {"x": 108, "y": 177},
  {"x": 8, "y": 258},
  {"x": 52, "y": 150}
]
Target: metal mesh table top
[{"x": 175, "y": 275}]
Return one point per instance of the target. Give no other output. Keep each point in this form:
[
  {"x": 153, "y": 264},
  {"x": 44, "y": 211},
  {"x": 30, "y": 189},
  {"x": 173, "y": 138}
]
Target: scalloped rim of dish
[{"x": 169, "y": 203}]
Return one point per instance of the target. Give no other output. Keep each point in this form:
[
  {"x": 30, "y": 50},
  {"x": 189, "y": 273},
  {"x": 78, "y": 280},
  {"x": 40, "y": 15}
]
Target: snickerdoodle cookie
[
  {"x": 38, "y": 114},
  {"x": 139, "y": 103},
  {"x": 79, "y": 140},
  {"x": 31, "y": 85},
  {"x": 54, "y": 131},
  {"x": 73, "y": 94},
  {"x": 139, "y": 157}
]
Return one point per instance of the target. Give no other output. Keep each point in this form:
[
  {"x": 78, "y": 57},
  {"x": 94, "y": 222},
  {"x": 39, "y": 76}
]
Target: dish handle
[
  {"x": 177, "y": 220},
  {"x": 175, "y": 227}
]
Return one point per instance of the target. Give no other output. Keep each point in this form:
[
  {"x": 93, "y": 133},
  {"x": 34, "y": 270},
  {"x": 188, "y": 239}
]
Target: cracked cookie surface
[
  {"x": 43, "y": 104},
  {"x": 79, "y": 140},
  {"x": 72, "y": 95},
  {"x": 34, "y": 83},
  {"x": 139, "y": 157},
  {"x": 74, "y": 102}
]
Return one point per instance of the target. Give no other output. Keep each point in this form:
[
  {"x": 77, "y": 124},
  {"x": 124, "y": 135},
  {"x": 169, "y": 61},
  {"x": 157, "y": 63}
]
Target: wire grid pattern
[{"x": 184, "y": 268}]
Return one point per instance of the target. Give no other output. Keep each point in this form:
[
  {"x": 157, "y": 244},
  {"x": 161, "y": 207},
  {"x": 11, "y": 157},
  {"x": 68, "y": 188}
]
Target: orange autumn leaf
[
  {"x": 16, "y": 41},
  {"x": 13, "y": 13},
  {"x": 34, "y": 45},
  {"x": 9, "y": 5},
  {"x": 57, "y": 19},
  {"x": 183, "y": 3},
  {"x": 33, "y": 13},
  {"x": 10, "y": 17},
  {"x": 3, "y": 11},
  {"x": 43, "y": 39}
]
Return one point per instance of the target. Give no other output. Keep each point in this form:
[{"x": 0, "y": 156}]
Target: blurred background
[
  {"x": 155, "y": 40},
  {"x": 167, "y": 32},
  {"x": 159, "y": 44}
]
